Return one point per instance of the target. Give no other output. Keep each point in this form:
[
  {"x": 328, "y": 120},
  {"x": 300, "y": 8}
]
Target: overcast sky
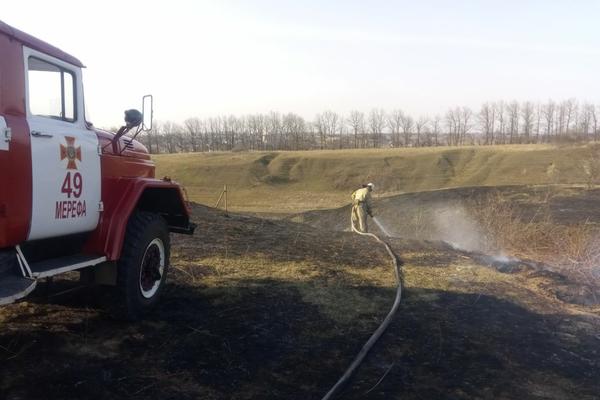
[{"x": 205, "y": 58}]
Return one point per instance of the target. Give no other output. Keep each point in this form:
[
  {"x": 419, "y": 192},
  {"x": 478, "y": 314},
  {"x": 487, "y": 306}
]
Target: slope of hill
[
  {"x": 296, "y": 181},
  {"x": 417, "y": 215}
]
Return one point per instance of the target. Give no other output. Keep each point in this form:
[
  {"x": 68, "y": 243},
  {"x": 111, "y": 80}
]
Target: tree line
[{"x": 494, "y": 123}]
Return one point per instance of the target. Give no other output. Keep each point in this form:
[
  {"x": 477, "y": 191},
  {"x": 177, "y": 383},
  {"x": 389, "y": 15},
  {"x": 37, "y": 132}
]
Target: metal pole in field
[
  {"x": 225, "y": 190},
  {"x": 219, "y": 201}
]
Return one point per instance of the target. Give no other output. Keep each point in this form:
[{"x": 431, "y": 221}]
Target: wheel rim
[{"x": 152, "y": 269}]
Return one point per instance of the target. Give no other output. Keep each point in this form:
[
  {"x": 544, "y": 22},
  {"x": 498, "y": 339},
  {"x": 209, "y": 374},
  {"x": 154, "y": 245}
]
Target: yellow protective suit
[{"x": 361, "y": 207}]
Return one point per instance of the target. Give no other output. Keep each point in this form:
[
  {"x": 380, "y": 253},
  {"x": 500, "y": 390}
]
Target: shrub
[{"x": 574, "y": 249}]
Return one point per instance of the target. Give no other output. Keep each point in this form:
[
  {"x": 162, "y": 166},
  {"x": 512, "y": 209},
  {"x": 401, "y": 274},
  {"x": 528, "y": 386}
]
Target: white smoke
[{"x": 455, "y": 226}]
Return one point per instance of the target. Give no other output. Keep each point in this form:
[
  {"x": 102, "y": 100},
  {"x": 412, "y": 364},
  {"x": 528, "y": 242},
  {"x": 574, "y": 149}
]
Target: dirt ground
[{"x": 272, "y": 309}]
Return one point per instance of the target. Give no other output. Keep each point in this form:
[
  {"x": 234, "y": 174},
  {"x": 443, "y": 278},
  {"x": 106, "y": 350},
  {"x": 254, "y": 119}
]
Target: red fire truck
[{"x": 73, "y": 197}]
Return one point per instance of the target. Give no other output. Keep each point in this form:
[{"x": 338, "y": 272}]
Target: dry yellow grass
[
  {"x": 298, "y": 181},
  {"x": 573, "y": 248}
]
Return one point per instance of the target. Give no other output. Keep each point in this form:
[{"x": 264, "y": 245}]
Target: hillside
[{"x": 297, "y": 181}]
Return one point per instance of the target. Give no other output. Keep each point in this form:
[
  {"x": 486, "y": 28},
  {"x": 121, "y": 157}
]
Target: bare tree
[
  {"x": 407, "y": 123},
  {"x": 256, "y": 129},
  {"x": 327, "y": 125},
  {"x": 273, "y": 130},
  {"x": 466, "y": 115},
  {"x": 527, "y": 115},
  {"x": 230, "y": 130},
  {"x": 595, "y": 121},
  {"x": 395, "y": 123},
  {"x": 169, "y": 130},
  {"x": 293, "y": 127},
  {"x": 193, "y": 127},
  {"x": 321, "y": 128},
  {"x": 421, "y": 126},
  {"x": 513, "y": 121},
  {"x": 571, "y": 107},
  {"x": 499, "y": 111},
  {"x": 356, "y": 120},
  {"x": 377, "y": 125},
  {"x": 151, "y": 139},
  {"x": 237, "y": 133},
  {"x": 436, "y": 127},
  {"x": 332, "y": 120},
  {"x": 341, "y": 133},
  {"x": 458, "y": 124},
  {"x": 538, "y": 115},
  {"x": 586, "y": 119},
  {"x": 548, "y": 110},
  {"x": 487, "y": 120},
  {"x": 453, "y": 126},
  {"x": 561, "y": 118}
]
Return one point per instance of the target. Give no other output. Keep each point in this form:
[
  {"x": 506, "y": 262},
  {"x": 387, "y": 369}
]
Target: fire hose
[{"x": 377, "y": 334}]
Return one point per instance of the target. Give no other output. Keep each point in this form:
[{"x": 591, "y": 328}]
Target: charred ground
[{"x": 270, "y": 309}]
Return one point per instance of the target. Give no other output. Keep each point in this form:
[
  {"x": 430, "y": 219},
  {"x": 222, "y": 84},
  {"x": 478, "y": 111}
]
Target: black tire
[{"x": 142, "y": 269}]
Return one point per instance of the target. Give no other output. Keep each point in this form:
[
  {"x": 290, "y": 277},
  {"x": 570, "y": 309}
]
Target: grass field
[
  {"x": 500, "y": 286},
  {"x": 297, "y": 181}
]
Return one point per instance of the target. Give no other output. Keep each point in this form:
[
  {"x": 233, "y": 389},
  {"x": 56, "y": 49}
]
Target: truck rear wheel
[{"x": 143, "y": 266}]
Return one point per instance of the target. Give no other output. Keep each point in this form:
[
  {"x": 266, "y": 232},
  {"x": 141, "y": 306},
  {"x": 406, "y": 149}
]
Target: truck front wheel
[{"x": 143, "y": 265}]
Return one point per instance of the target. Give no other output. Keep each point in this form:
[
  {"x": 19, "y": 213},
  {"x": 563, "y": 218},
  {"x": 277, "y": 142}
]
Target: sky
[{"x": 206, "y": 58}]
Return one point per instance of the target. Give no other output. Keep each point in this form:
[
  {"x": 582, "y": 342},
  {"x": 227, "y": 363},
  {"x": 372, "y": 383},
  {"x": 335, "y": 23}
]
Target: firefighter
[{"x": 361, "y": 207}]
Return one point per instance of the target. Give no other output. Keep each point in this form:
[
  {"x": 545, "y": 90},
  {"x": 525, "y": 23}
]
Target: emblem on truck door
[
  {"x": 70, "y": 152},
  {"x": 72, "y": 185}
]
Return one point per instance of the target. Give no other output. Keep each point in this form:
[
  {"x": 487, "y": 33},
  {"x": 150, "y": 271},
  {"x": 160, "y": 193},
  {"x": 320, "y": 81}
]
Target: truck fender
[{"x": 124, "y": 197}]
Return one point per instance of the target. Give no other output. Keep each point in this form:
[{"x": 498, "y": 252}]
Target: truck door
[{"x": 64, "y": 152}]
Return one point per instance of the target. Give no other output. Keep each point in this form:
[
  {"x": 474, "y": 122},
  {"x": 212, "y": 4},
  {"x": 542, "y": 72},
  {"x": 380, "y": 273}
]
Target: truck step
[
  {"x": 55, "y": 266},
  {"x": 14, "y": 287}
]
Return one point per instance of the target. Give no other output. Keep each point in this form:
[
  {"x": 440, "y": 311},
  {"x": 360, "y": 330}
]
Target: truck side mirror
[
  {"x": 133, "y": 118},
  {"x": 147, "y": 112}
]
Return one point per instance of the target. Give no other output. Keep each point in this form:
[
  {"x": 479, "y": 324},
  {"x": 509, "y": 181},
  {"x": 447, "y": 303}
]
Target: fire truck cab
[{"x": 73, "y": 197}]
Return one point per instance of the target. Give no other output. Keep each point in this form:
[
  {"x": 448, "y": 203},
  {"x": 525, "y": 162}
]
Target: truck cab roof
[{"x": 37, "y": 44}]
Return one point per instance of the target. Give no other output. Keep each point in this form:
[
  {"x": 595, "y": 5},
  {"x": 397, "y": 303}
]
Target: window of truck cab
[{"x": 51, "y": 90}]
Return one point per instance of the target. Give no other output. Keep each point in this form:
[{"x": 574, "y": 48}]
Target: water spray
[{"x": 380, "y": 226}]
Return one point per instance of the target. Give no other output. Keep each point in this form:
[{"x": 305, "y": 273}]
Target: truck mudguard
[{"x": 128, "y": 195}]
